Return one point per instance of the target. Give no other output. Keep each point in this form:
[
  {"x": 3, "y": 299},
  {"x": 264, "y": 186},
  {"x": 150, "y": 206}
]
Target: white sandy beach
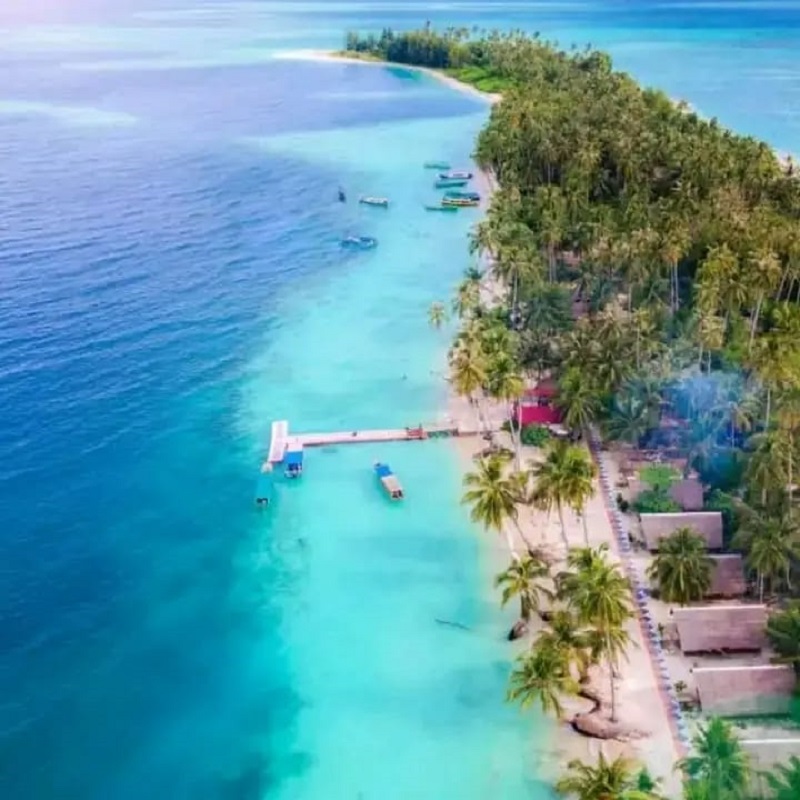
[
  {"x": 639, "y": 704},
  {"x": 323, "y": 55}
]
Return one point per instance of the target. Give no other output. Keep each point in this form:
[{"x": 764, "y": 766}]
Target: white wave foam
[{"x": 68, "y": 115}]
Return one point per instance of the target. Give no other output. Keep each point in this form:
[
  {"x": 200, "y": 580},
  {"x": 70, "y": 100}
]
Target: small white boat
[
  {"x": 456, "y": 175},
  {"x": 383, "y": 202}
]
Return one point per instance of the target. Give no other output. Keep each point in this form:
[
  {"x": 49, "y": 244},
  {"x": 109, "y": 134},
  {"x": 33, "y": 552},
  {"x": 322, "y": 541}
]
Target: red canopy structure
[{"x": 537, "y": 405}]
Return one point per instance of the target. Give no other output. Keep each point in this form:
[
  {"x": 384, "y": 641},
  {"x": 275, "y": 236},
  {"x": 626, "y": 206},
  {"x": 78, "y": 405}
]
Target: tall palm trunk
[
  {"x": 754, "y": 321},
  {"x": 790, "y": 475},
  {"x": 510, "y": 544},
  {"x": 529, "y": 545},
  {"x": 563, "y": 527},
  {"x": 582, "y": 514},
  {"x": 768, "y": 409},
  {"x": 515, "y": 429},
  {"x": 611, "y": 671}
]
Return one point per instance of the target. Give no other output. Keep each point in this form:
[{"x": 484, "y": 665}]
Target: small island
[{"x": 636, "y": 324}]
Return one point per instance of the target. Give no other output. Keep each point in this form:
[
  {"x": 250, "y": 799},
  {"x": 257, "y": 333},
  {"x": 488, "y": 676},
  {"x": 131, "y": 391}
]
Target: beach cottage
[
  {"x": 656, "y": 527},
  {"x": 745, "y": 690},
  {"x": 727, "y": 576},
  {"x": 720, "y": 629}
]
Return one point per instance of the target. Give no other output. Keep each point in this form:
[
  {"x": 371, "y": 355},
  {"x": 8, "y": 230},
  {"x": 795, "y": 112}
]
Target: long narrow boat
[
  {"x": 436, "y": 165},
  {"x": 456, "y": 174},
  {"x": 389, "y": 481},
  {"x": 383, "y": 202},
  {"x": 440, "y": 207},
  {"x": 359, "y": 242},
  {"x": 451, "y": 183},
  {"x": 459, "y": 202},
  {"x": 463, "y": 195},
  {"x": 264, "y": 490}
]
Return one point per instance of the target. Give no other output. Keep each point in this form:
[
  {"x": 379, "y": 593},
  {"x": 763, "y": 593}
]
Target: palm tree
[
  {"x": 542, "y": 677},
  {"x": 578, "y": 399},
  {"x": 767, "y": 468},
  {"x": 599, "y": 594},
  {"x": 682, "y": 567},
  {"x": 783, "y": 630},
  {"x": 784, "y": 782},
  {"x": 493, "y": 498},
  {"x": 566, "y": 634},
  {"x": 579, "y": 482},
  {"x": 629, "y": 421},
  {"x": 772, "y": 545},
  {"x": 437, "y": 315},
  {"x": 564, "y": 478},
  {"x": 505, "y": 384},
  {"x": 718, "y": 762},
  {"x": 607, "y": 780},
  {"x": 468, "y": 373},
  {"x": 523, "y": 578},
  {"x": 467, "y": 298}
]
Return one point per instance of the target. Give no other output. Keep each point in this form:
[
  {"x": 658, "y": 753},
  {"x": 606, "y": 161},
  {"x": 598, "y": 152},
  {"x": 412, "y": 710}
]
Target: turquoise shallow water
[{"x": 172, "y": 282}]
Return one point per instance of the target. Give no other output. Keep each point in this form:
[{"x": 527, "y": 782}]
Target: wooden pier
[
  {"x": 281, "y": 442},
  {"x": 386, "y": 435}
]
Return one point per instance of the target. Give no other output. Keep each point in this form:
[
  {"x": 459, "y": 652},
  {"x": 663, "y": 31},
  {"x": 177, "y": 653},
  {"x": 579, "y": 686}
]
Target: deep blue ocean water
[{"x": 170, "y": 282}]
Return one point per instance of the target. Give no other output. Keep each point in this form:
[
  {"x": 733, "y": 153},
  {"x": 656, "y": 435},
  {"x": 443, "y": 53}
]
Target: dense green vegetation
[{"x": 651, "y": 266}]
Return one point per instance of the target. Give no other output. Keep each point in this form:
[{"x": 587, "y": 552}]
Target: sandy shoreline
[
  {"x": 640, "y": 706},
  {"x": 324, "y": 55}
]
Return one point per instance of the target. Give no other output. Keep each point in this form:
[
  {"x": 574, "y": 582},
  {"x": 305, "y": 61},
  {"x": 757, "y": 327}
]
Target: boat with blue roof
[{"x": 388, "y": 481}]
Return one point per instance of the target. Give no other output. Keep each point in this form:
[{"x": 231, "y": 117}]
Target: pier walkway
[
  {"x": 281, "y": 442},
  {"x": 387, "y": 435}
]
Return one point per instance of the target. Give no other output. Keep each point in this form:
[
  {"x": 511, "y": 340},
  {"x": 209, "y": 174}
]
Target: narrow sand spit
[{"x": 322, "y": 55}]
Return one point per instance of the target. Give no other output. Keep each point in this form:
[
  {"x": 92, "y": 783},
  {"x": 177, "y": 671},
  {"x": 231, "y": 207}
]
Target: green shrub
[
  {"x": 655, "y": 501},
  {"x": 726, "y": 505},
  {"x": 659, "y": 476},
  {"x": 535, "y": 435}
]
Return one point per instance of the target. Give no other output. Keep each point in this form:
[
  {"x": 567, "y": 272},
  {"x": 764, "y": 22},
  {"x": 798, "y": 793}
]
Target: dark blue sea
[{"x": 171, "y": 281}]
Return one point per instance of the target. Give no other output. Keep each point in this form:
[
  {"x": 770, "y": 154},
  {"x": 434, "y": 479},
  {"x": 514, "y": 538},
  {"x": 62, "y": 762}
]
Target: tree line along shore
[{"x": 650, "y": 265}]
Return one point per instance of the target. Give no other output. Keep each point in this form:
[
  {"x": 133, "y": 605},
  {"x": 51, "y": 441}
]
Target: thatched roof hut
[
  {"x": 688, "y": 494},
  {"x": 717, "y": 629},
  {"x": 745, "y": 690},
  {"x": 764, "y": 755},
  {"x": 727, "y": 576},
  {"x": 708, "y": 524}
]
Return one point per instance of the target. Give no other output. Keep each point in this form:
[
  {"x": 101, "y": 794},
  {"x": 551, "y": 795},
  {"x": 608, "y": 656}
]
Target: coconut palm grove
[{"x": 649, "y": 265}]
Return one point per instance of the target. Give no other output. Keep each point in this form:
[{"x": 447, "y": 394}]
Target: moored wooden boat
[
  {"x": 459, "y": 202},
  {"x": 359, "y": 242},
  {"x": 383, "y": 202},
  {"x": 437, "y": 165},
  {"x": 389, "y": 481},
  {"x": 456, "y": 174},
  {"x": 440, "y": 207},
  {"x": 451, "y": 183},
  {"x": 463, "y": 195}
]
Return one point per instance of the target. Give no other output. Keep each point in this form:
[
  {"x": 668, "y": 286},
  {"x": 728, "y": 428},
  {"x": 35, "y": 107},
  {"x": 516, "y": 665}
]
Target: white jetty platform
[{"x": 279, "y": 442}]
